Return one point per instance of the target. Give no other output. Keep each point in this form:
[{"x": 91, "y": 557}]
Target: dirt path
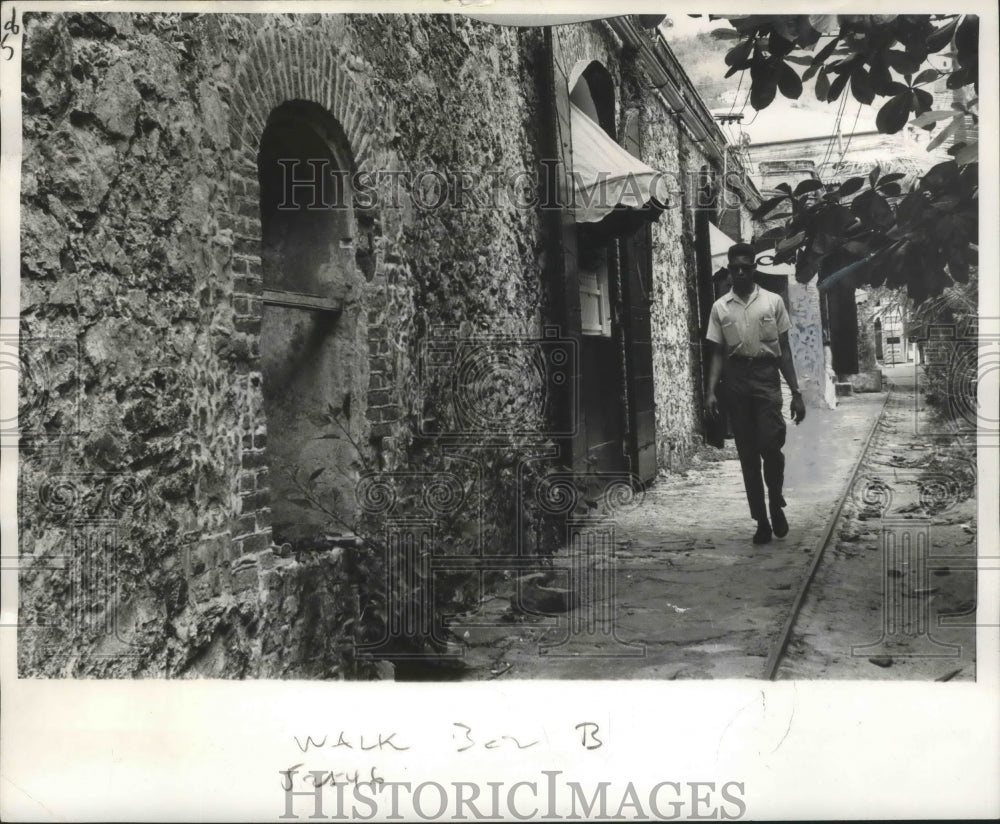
[
  {"x": 686, "y": 594},
  {"x": 894, "y": 595}
]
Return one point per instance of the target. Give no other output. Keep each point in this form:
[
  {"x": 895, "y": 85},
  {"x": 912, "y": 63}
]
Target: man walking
[{"x": 748, "y": 327}]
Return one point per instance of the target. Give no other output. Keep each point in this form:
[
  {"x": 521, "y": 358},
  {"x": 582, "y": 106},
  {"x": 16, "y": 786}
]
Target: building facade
[{"x": 299, "y": 313}]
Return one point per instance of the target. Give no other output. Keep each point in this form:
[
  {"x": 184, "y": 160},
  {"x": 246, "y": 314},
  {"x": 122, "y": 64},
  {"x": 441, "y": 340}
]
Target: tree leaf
[
  {"x": 901, "y": 61},
  {"x": 834, "y": 219},
  {"x": 805, "y": 34},
  {"x": 967, "y": 154},
  {"x": 889, "y": 178},
  {"x": 799, "y": 59},
  {"x": 873, "y": 175},
  {"x": 967, "y": 41},
  {"x": 779, "y": 45},
  {"x": 784, "y": 187},
  {"x": 926, "y": 76},
  {"x": 790, "y": 242},
  {"x": 850, "y": 186},
  {"x": 957, "y": 79},
  {"x": 810, "y": 185},
  {"x": 958, "y": 268},
  {"x": 314, "y": 475},
  {"x": 927, "y": 118},
  {"x": 789, "y": 82},
  {"x": 922, "y": 101},
  {"x": 825, "y": 24},
  {"x": 739, "y": 55},
  {"x": 941, "y": 37},
  {"x": 942, "y": 177},
  {"x": 822, "y": 85},
  {"x": 861, "y": 87},
  {"x": 910, "y": 209},
  {"x": 837, "y": 87},
  {"x": 893, "y": 114},
  {"x": 857, "y": 248},
  {"x": 767, "y": 206},
  {"x": 879, "y": 77},
  {"x": 805, "y": 267},
  {"x": 329, "y": 436},
  {"x": 824, "y": 53},
  {"x": 725, "y": 34},
  {"x": 763, "y": 90},
  {"x": 945, "y": 133},
  {"x": 879, "y": 210}
]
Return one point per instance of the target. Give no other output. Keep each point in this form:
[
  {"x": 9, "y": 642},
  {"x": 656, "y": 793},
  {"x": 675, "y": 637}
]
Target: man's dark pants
[{"x": 753, "y": 398}]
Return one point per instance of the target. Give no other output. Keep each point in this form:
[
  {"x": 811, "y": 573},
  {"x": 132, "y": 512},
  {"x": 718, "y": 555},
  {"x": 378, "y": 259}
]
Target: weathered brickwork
[{"x": 142, "y": 247}]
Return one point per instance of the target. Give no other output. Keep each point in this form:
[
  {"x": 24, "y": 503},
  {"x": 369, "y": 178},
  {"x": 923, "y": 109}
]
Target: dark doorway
[
  {"x": 842, "y": 317},
  {"x": 603, "y": 383},
  {"x": 637, "y": 297}
]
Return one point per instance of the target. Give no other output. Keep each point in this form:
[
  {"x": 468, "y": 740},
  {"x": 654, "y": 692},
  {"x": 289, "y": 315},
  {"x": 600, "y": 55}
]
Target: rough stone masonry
[{"x": 154, "y": 498}]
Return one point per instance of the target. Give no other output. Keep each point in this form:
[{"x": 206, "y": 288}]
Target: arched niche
[{"x": 312, "y": 357}]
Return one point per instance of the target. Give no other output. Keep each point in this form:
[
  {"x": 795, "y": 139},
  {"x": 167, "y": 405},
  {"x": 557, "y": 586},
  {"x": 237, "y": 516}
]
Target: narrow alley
[{"x": 688, "y": 595}]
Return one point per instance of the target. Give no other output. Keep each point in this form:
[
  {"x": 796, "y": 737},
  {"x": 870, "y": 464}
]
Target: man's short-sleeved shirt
[{"x": 749, "y": 329}]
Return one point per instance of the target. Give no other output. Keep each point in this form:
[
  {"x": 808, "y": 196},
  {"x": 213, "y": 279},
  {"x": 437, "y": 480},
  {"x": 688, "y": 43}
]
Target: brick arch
[{"x": 279, "y": 68}]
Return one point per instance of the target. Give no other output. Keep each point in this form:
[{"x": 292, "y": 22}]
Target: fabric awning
[
  {"x": 606, "y": 176},
  {"x": 719, "y": 243}
]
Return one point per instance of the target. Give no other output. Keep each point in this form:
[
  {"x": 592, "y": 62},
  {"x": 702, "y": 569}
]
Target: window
[{"x": 595, "y": 296}]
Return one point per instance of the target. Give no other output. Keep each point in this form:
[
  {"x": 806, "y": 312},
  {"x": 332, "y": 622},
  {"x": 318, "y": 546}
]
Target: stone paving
[{"x": 686, "y": 594}]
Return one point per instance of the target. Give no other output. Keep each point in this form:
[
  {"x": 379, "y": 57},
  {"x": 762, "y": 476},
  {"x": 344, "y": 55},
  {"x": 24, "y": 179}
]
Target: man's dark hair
[{"x": 741, "y": 250}]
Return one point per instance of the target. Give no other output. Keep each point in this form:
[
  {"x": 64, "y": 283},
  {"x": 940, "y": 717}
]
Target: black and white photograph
[{"x": 464, "y": 350}]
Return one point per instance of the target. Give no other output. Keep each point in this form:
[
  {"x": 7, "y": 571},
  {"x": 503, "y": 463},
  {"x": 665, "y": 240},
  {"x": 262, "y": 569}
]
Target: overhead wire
[
  {"x": 850, "y": 137},
  {"x": 737, "y": 95},
  {"x": 834, "y": 133},
  {"x": 833, "y": 136}
]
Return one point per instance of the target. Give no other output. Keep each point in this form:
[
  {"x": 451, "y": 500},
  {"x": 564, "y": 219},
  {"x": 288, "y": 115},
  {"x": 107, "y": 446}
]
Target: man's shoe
[
  {"x": 779, "y": 521},
  {"x": 763, "y": 533}
]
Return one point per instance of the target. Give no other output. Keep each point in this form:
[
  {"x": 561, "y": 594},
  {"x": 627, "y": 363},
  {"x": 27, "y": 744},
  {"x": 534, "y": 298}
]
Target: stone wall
[
  {"x": 678, "y": 376},
  {"x": 806, "y": 339},
  {"x": 147, "y": 474},
  {"x": 141, "y": 243}
]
